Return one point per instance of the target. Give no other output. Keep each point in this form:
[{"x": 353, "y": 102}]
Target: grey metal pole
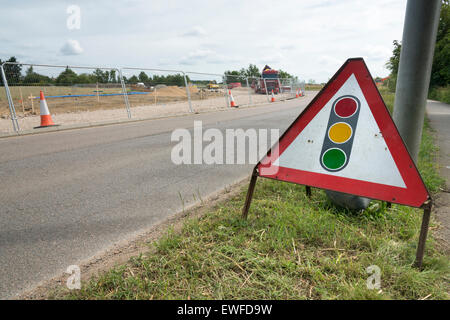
[
  {"x": 416, "y": 58},
  {"x": 12, "y": 109},
  {"x": 188, "y": 92},
  {"x": 225, "y": 86},
  {"x": 267, "y": 91},
  {"x": 125, "y": 94},
  {"x": 291, "y": 84},
  {"x": 249, "y": 92},
  {"x": 280, "y": 91}
]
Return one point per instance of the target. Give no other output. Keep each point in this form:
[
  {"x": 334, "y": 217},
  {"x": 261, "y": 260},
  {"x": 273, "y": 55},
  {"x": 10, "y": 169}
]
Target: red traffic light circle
[{"x": 345, "y": 107}]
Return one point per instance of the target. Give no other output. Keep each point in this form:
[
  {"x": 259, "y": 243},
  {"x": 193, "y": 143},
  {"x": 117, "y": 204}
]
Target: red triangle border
[{"x": 415, "y": 194}]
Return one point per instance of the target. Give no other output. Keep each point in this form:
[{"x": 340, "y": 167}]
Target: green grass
[
  {"x": 291, "y": 247},
  {"x": 313, "y": 87},
  {"x": 428, "y": 150},
  {"x": 441, "y": 94}
]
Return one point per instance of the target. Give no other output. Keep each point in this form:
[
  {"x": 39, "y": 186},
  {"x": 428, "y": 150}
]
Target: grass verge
[
  {"x": 291, "y": 247},
  {"x": 440, "y": 93}
]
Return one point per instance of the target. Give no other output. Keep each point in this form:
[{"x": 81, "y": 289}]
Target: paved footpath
[{"x": 439, "y": 115}]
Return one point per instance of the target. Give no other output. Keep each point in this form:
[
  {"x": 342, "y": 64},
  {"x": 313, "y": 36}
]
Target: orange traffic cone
[
  {"x": 296, "y": 94},
  {"x": 232, "y": 103},
  {"x": 273, "y": 97},
  {"x": 46, "y": 118},
  {"x": 300, "y": 92}
]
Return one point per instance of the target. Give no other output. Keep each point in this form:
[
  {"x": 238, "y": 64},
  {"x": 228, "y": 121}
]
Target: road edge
[
  {"x": 120, "y": 121},
  {"x": 120, "y": 252}
]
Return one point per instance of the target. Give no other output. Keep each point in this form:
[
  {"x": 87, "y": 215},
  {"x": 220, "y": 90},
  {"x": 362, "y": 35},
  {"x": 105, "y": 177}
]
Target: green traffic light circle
[{"x": 334, "y": 159}]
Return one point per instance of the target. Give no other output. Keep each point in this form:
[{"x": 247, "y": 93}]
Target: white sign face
[
  {"x": 370, "y": 159},
  {"x": 346, "y": 141}
]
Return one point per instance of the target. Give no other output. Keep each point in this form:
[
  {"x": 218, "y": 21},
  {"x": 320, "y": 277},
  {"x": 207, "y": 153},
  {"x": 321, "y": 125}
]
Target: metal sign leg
[
  {"x": 251, "y": 188},
  {"x": 308, "y": 191},
  {"x": 423, "y": 234}
]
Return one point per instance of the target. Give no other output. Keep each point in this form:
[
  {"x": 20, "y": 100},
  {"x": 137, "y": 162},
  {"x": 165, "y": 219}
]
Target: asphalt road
[{"x": 68, "y": 195}]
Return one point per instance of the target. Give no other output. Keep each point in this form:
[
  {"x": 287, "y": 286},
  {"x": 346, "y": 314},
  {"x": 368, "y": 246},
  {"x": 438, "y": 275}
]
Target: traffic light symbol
[{"x": 338, "y": 141}]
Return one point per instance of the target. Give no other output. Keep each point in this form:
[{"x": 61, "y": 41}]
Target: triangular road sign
[{"x": 345, "y": 140}]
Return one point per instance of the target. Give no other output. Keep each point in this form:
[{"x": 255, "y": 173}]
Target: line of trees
[
  {"x": 169, "y": 80},
  {"x": 440, "y": 73},
  {"x": 69, "y": 77},
  {"x": 252, "y": 71}
]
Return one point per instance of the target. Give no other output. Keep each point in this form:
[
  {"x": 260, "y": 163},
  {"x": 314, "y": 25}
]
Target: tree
[
  {"x": 239, "y": 76},
  {"x": 440, "y": 72},
  {"x": 143, "y": 77},
  {"x": 394, "y": 60},
  {"x": 106, "y": 76},
  {"x": 67, "y": 77},
  {"x": 101, "y": 76},
  {"x": 133, "y": 79},
  {"x": 13, "y": 72},
  {"x": 286, "y": 75},
  {"x": 233, "y": 76},
  {"x": 98, "y": 74},
  {"x": 253, "y": 71},
  {"x": 85, "y": 78},
  {"x": 112, "y": 76},
  {"x": 393, "y": 64},
  {"x": 32, "y": 77},
  {"x": 29, "y": 71},
  {"x": 175, "y": 80}
]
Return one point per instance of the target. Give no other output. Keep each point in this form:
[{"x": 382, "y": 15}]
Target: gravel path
[{"x": 439, "y": 115}]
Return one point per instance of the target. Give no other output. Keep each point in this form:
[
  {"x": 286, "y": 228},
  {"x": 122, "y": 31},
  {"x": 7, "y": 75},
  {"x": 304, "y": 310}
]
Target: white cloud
[
  {"x": 202, "y": 56},
  {"x": 377, "y": 52},
  {"x": 274, "y": 57},
  {"x": 311, "y": 40},
  {"x": 196, "y": 31},
  {"x": 197, "y": 55},
  {"x": 71, "y": 48},
  {"x": 288, "y": 47},
  {"x": 329, "y": 61}
]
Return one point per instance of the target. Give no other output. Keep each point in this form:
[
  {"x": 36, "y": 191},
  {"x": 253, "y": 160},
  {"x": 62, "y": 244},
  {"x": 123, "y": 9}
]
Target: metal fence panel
[
  {"x": 156, "y": 92},
  {"x": 74, "y": 94},
  {"x": 208, "y": 91},
  {"x": 84, "y": 95}
]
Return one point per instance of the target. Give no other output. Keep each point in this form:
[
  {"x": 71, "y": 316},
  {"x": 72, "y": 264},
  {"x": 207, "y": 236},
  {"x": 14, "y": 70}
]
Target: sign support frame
[
  {"x": 426, "y": 206},
  {"x": 251, "y": 189},
  {"x": 423, "y": 232}
]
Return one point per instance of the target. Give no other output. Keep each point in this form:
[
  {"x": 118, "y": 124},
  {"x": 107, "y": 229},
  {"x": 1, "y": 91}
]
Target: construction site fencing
[
  {"x": 74, "y": 95},
  {"x": 80, "y": 95},
  {"x": 283, "y": 88},
  {"x": 208, "y": 91},
  {"x": 240, "y": 88},
  {"x": 161, "y": 92}
]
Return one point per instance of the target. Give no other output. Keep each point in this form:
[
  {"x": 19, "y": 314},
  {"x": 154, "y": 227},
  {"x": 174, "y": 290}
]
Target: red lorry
[
  {"x": 270, "y": 78},
  {"x": 234, "y": 85}
]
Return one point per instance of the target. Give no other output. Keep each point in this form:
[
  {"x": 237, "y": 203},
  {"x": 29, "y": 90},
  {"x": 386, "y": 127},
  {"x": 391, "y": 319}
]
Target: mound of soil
[{"x": 174, "y": 91}]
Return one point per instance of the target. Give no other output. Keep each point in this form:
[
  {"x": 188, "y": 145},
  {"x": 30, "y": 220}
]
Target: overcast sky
[{"x": 308, "y": 38}]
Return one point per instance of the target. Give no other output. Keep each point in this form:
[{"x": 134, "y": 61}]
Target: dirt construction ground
[{"x": 166, "y": 101}]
